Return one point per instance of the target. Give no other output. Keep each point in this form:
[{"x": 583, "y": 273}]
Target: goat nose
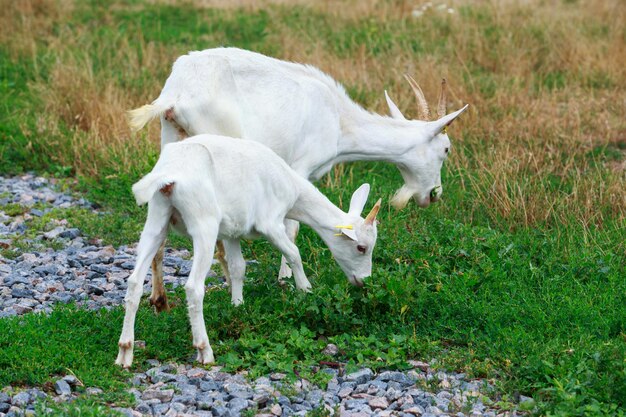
[{"x": 435, "y": 193}]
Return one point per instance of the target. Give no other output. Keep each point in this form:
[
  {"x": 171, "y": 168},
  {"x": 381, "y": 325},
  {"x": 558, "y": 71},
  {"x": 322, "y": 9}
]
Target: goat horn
[
  {"x": 422, "y": 104},
  {"x": 442, "y": 107},
  {"x": 374, "y": 212}
]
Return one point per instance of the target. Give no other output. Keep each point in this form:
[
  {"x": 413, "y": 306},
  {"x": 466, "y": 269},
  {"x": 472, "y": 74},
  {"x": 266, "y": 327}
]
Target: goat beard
[{"x": 401, "y": 198}]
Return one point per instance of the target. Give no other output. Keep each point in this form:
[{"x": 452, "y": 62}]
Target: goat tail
[
  {"x": 146, "y": 187},
  {"x": 138, "y": 118}
]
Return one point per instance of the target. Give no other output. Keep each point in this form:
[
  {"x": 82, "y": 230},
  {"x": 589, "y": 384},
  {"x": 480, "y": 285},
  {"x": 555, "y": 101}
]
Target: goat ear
[
  {"x": 350, "y": 233},
  {"x": 439, "y": 125},
  {"x": 394, "y": 111},
  {"x": 358, "y": 200}
]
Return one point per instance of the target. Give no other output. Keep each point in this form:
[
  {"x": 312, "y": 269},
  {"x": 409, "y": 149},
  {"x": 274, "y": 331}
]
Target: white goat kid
[
  {"x": 216, "y": 187},
  {"x": 301, "y": 114}
]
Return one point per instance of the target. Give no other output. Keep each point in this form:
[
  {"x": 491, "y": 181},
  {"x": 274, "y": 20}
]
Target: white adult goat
[
  {"x": 301, "y": 114},
  {"x": 217, "y": 187}
]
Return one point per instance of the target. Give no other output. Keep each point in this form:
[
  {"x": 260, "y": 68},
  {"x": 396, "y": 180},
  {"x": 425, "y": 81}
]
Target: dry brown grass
[{"x": 520, "y": 134}]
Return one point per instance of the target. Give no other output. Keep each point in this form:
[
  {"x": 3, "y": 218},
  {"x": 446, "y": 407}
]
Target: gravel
[
  {"x": 192, "y": 391},
  {"x": 94, "y": 276},
  {"x": 83, "y": 271}
]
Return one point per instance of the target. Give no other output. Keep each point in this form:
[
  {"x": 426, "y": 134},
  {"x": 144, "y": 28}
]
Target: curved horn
[
  {"x": 422, "y": 104},
  {"x": 372, "y": 214},
  {"x": 442, "y": 106}
]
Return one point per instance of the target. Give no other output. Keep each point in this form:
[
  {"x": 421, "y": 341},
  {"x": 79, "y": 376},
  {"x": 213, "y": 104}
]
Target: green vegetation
[{"x": 518, "y": 274}]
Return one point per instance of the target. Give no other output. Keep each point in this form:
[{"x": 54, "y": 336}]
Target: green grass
[
  {"x": 540, "y": 308},
  {"x": 543, "y": 316}
]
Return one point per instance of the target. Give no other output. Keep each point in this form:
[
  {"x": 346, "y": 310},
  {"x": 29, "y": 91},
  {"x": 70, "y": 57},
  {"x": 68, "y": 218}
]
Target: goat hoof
[
  {"x": 125, "y": 355},
  {"x": 160, "y": 303},
  {"x": 285, "y": 272},
  {"x": 306, "y": 287},
  {"x": 205, "y": 356}
]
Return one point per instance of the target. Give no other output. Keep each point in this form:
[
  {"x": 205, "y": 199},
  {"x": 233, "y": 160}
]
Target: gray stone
[
  {"x": 283, "y": 401},
  {"x": 344, "y": 392},
  {"x": 238, "y": 390},
  {"x": 157, "y": 375},
  {"x": 54, "y": 233},
  {"x": 4, "y": 407},
  {"x": 221, "y": 411},
  {"x": 276, "y": 409},
  {"x": 184, "y": 399},
  {"x": 204, "y": 401},
  {"x": 22, "y": 293},
  {"x": 354, "y": 404},
  {"x": 277, "y": 376},
  {"x": 94, "y": 391},
  {"x": 128, "y": 265},
  {"x": 37, "y": 394},
  {"x": 61, "y": 387},
  {"x": 143, "y": 408},
  {"x": 70, "y": 233},
  {"x": 162, "y": 395},
  {"x": 159, "y": 409},
  {"x": 21, "y": 399},
  {"x": 177, "y": 407},
  {"x": 50, "y": 269},
  {"x": 237, "y": 404},
  {"x": 22, "y": 309},
  {"x": 361, "y": 376},
  {"x": 93, "y": 289},
  {"x": 301, "y": 407},
  {"x": 100, "y": 269},
  {"x": 125, "y": 411},
  {"x": 314, "y": 396},
  {"x": 379, "y": 402},
  {"x": 331, "y": 350},
  {"x": 4, "y": 397},
  {"x": 70, "y": 379},
  {"x": 208, "y": 385}
]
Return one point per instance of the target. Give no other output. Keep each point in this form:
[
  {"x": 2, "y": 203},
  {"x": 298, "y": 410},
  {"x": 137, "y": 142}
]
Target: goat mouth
[
  {"x": 422, "y": 202},
  {"x": 358, "y": 282}
]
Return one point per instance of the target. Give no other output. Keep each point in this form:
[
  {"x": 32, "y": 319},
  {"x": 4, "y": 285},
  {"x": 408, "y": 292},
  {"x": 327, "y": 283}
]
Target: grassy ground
[{"x": 518, "y": 274}]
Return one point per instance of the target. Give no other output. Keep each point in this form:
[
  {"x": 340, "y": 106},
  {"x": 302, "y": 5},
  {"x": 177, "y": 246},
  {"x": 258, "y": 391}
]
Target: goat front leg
[
  {"x": 284, "y": 244},
  {"x": 158, "y": 297},
  {"x": 291, "y": 228},
  {"x": 153, "y": 235},
  {"x": 237, "y": 267}
]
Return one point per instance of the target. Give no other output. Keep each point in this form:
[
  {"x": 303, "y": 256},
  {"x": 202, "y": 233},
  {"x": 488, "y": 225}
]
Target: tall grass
[{"x": 543, "y": 141}]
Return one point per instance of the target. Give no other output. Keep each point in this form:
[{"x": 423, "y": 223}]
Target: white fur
[
  {"x": 300, "y": 113},
  {"x": 225, "y": 188}
]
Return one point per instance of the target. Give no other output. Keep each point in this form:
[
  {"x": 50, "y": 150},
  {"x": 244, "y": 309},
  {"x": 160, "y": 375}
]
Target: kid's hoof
[
  {"x": 285, "y": 272},
  {"x": 205, "y": 356},
  {"x": 125, "y": 355}
]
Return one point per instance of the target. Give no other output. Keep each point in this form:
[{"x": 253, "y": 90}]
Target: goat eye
[
  {"x": 361, "y": 248},
  {"x": 447, "y": 149}
]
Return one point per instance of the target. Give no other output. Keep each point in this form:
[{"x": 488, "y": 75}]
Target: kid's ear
[
  {"x": 350, "y": 233},
  {"x": 358, "y": 200}
]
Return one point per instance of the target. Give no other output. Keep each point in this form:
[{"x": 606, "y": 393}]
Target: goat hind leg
[
  {"x": 151, "y": 238},
  {"x": 291, "y": 228},
  {"x": 158, "y": 297},
  {"x": 220, "y": 255}
]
